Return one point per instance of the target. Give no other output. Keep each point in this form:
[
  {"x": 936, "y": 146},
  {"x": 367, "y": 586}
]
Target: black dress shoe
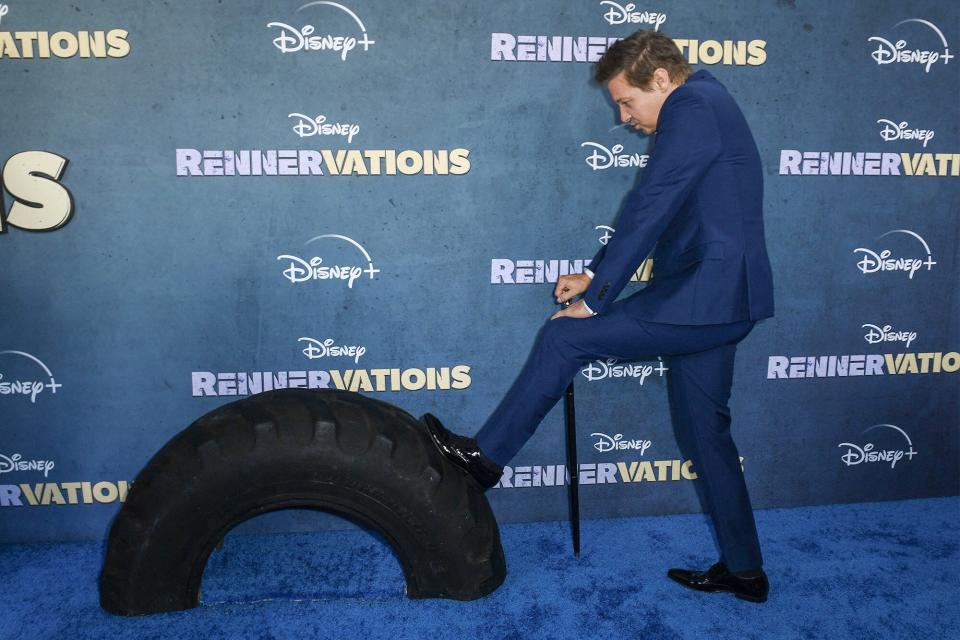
[
  {"x": 463, "y": 452},
  {"x": 719, "y": 578}
]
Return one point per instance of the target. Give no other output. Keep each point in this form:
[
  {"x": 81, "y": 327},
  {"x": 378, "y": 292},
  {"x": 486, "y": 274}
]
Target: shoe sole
[{"x": 757, "y": 599}]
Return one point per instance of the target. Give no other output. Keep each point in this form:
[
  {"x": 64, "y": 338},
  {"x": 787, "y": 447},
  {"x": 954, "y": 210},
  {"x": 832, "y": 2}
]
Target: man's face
[{"x": 640, "y": 108}]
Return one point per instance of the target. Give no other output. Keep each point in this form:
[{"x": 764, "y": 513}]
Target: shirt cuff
[
  {"x": 588, "y": 272},
  {"x": 585, "y": 306}
]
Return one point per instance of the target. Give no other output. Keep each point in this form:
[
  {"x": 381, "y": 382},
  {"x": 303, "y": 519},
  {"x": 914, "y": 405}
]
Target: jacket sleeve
[
  {"x": 688, "y": 141},
  {"x": 597, "y": 258}
]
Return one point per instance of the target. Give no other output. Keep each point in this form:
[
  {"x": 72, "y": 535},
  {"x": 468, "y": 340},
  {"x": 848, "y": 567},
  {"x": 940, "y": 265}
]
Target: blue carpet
[{"x": 874, "y": 570}]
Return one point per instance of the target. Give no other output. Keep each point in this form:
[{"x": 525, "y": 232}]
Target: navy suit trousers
[{"x": 700, "y": 374}]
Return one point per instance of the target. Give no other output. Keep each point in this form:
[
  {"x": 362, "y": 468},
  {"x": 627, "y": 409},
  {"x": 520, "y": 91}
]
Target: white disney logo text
[
  {"x": 4, "y": 10},
  {"x": 892, "y": 131},
  {"x": 301, "y": 270},
  {"x": 877, "y": 334},
  {"x": 873, "y": 262},
  {"x": 307, "y": 126},
  {"x": 604, "y": 158},
  {"x": 600, "y": 369},
  {"x": 869, "y": 453},
  {"x": 317, "y": 349},
  {"x": 17, "y": 463},
  {"x": 617, "y": 443},
  {"x": 25, "y": 387},
  {"x": 30, "y": 388},
  {"x": 625, "y": 14},
  {"x": 292, "y": 39},
  {"x": 888, "y": 52}
]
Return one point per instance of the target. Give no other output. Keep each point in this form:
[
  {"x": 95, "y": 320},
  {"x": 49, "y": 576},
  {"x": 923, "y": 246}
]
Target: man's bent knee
[{"x": 552, "y": 332}]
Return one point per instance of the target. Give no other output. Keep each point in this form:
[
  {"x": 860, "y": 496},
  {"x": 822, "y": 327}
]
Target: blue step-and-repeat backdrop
[{"x": 203, "y": 200}]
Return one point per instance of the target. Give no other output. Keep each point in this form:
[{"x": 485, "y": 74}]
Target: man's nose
[{"x": 624, "y": 116}]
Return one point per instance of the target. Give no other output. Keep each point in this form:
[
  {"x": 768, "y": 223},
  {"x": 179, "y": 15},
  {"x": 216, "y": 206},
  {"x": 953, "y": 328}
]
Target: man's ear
[{"x": 661, "y": 78}]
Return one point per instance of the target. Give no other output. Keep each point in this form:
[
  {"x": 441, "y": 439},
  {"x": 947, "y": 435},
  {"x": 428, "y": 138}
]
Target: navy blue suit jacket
[{"x": 700, "y": 199}]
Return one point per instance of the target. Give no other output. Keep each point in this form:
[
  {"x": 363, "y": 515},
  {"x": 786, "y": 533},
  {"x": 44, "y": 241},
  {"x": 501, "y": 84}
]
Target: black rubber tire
[{"x": 331, "y": 450}]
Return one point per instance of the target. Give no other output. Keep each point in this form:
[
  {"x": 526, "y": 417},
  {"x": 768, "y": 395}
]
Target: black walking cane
[{"x": 572, "y": 467}]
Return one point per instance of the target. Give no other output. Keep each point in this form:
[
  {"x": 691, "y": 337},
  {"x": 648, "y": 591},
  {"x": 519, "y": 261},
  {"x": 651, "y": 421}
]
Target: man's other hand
[
  {"x": 570, "y": 286},
  {"x": 577, "y": 310}
]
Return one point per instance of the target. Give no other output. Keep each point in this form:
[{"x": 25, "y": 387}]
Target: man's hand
[
  {"x": 577, "y": 310},
  {"x": 570, "y": 286}
]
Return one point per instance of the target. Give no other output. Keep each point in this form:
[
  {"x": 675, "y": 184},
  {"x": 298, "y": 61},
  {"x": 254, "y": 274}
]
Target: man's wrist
[{"x": 585, "y": 305}]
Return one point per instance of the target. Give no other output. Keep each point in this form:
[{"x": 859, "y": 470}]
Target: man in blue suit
[{"x": 700, "y": 199}]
